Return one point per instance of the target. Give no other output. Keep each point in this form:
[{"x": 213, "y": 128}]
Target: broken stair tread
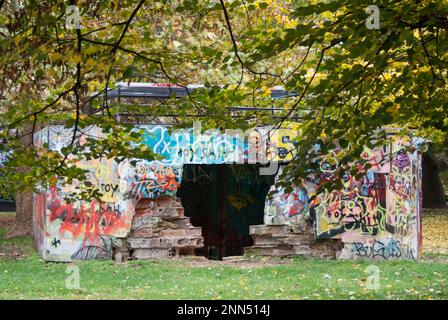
[
  {"x": 235, "y": 258},
  {"x": 273, "y": 252},
  {"x": 284, "y": 236},
  {"x": 269, "y": 246},
  {"x": 160, "y": 239}
]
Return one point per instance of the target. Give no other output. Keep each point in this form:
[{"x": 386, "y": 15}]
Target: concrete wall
[
  {"x": 383, "y": 209},
  {"x": 377, "y": 216},
  {"x": 87, "y": 230}
]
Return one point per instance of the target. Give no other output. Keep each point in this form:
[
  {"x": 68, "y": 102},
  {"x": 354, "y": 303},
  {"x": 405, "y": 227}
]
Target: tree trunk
[
  {"x": 432, "y": 189},
  {"x": 23, "y": 224}
]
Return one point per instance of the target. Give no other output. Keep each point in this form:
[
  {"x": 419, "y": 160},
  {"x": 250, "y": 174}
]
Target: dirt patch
[
  {"x": 435, "y": 232},
  {"x": 6, "y": 220},
  {"x": 11, "y": 252},
  {"x": 435, "y": 258},
  {"x": 243, "y": 262}
]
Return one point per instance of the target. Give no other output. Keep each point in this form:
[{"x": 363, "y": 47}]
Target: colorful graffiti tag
[{"x": 148, "y": 179}]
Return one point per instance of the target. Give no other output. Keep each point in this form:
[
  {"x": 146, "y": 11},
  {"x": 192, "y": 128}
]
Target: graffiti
[
  {"x": 378, "y": 249},
  {"x": 151, "y": 180},
  {"x": 55, "y": 242},
  {"x": 81, "y": 230},
  {"x": 59, "y": 137},
  {"x": 94, "y": 247},
  {"x": 290, "y": 204},
  {"x": 191, "y": 146},
  {"x": 359, "y": 205},
  {"x": 280, "y": 145},
  {"x": 377, "y": 158},
  {"x": 186, "y": 146},
  {"x": 197, "y": 174},
  {"x": 96, "y": 218},
  {"x": 402, "y": 160},
  {"x": 109, "y": 188},
  {"x": 385, "y": 203}
]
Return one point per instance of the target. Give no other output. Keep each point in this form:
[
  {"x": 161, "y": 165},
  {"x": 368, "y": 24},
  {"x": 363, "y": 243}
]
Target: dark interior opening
[
  {"x": 432, "y": 187},
  {"x": 7, "y": 206},
  {"x": 224, "y": 200}
]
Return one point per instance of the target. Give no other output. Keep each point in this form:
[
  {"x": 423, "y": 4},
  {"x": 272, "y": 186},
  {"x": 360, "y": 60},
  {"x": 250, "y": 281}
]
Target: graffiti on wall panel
[
  {"x": 182, "y": 147},
  {"x": 149, "y": 179},
  {"x": 386, "y": 249},
  {"x": 85, "y": 230},
  {"x": 359, "y": 205},
  {"x": 95, "y": 247},
  {"x": 214, "y": 147},
  {"x": 383, "y": 205},
  {"x": 82, "y": 229}
]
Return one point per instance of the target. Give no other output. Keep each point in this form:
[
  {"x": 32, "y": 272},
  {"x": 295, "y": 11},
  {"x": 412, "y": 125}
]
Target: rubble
[
  {"x": 283, "y": 240},
  {"x": 159, "y": 230}
]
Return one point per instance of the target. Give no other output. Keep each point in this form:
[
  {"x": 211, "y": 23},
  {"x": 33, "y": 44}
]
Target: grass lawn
[{"x": 23, "y": 275}]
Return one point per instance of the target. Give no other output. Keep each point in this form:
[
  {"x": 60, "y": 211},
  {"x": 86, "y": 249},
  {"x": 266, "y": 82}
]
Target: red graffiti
[{"x": 94, "y": 218}]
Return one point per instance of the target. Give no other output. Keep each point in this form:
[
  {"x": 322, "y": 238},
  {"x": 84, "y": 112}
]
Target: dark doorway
[
  {"x": 7, "y": 206},
  {"x": 432, "y": 188},
  {"x": 224, "y": 200}
]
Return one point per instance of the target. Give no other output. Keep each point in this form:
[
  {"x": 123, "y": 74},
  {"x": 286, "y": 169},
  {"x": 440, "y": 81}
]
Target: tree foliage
[{"x": 350, "y": 82}]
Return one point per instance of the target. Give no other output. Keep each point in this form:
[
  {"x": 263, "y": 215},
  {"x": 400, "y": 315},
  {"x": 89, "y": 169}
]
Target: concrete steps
[{"x": 290, "y": 240}]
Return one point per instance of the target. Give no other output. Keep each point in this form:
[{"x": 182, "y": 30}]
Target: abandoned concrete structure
[{"x": 207, "y": 197}]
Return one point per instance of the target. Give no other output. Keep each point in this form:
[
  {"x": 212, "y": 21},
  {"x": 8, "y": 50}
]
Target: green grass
[
  {"x": 29, "y": 277},
  {"x": 303, "y": 279}
]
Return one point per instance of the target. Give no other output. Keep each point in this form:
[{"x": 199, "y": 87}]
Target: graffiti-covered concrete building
[{"x": 208, "y": 195}]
